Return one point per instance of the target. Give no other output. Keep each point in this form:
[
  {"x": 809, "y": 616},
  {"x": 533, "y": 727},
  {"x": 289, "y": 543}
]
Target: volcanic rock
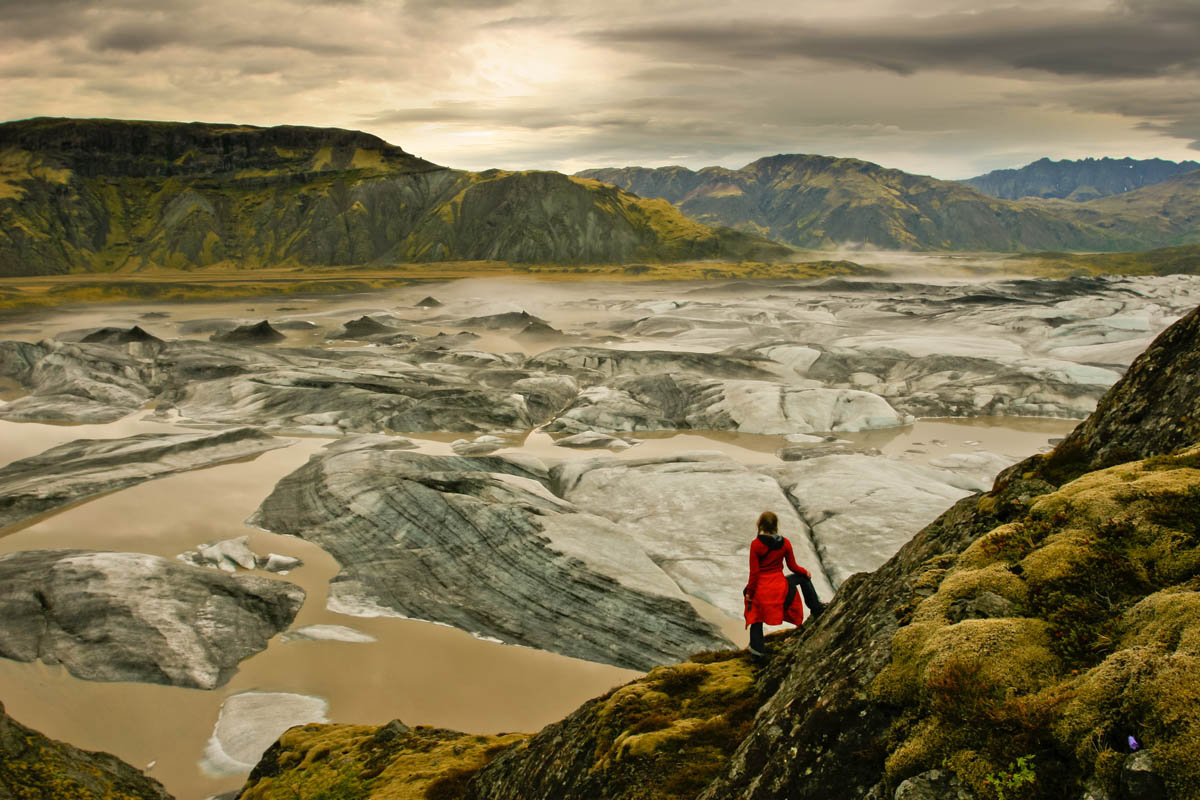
[
  {"x": 119, "y": 336},
  {"x": 259, "y": 333}
]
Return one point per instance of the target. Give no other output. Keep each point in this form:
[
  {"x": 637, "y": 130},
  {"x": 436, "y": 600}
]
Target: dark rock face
[
  {"x": 986, "y": 605},
  {"x": 1139, "y": 781},
  {"x": 509, "y": 320},
  {"x": 259, "y": 333},
  {"x": 933, "y": 785},
  {"x": 134, "y": 617},
  {"x": 35, "y": 767},
  {"x": 364, "y": 327},
  {"x": 85, "y": 468},
  {"x": 480, "y": 544},
  {"x": 429, "y": 302},
  {"x": 119, "y": 336}
]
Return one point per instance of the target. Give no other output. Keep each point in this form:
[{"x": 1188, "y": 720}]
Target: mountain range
[
  {"x": 820, "y": 202},
  {"x": 83, "y": 196},
  {"x": 1078, "y": 180},
  {"x": 109, "y": 195}
]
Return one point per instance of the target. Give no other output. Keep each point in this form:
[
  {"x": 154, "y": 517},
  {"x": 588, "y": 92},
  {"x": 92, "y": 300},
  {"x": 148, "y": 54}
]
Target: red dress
[{"x": 767, "y": 593}]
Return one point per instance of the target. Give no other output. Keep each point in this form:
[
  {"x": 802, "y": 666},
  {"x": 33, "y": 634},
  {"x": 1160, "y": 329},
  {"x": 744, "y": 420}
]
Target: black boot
[{"x": 758, "y": 648}]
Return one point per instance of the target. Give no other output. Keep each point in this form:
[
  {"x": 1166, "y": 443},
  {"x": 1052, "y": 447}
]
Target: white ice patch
[
  {"x": 249, "y": 723},
  {"x": 861, "y": 509},
  {"x": 937, "y": 344},
  {"x": 326, "y": 633},
  {"x": 349, "y": 598}
]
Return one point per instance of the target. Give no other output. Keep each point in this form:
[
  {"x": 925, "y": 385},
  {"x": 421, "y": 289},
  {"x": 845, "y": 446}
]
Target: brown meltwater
[
  {"x": 24, "y": 439},
  {"x": 416, "y": 671}
]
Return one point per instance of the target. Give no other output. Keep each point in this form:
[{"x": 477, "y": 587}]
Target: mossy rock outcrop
[{"x": 35, "y": 767}]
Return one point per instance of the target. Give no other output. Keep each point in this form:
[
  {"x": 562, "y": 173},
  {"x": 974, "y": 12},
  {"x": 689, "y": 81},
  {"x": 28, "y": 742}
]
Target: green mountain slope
[
  {"x": 1184, "y": 260},
  {"x": 1166, "y": 213},
  {"x": 1085, "y": 179},
  {"x": 820, "y": 202},
  {"x": 108, "y": 195}
]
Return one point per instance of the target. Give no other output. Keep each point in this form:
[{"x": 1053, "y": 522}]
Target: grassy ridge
[{"x": 111, "y": 196}]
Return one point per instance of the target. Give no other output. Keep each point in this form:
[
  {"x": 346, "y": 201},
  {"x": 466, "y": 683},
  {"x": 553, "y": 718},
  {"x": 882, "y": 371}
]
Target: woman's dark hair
[{"x": 768, "y": 522}]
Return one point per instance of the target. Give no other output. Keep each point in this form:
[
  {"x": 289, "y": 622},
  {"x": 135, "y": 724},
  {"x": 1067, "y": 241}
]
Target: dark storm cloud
[
  {"x": 135, "y": 37},
  {"x": 1169, "y": 108},
  {"x": 1134, "y": 39}
]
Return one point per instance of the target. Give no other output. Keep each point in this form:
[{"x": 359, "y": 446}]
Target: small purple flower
[{"x": 1133, "y": 744}]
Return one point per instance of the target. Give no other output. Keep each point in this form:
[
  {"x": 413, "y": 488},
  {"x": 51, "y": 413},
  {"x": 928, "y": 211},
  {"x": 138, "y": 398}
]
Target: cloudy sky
[{"x": 950, "y": 88}]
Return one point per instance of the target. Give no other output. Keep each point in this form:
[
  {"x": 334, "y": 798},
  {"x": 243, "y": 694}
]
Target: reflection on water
[{"x": 415, "y": 671}]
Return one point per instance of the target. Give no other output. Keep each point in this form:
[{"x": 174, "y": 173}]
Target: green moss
[
  {"x": 1104, "y": 575},
  {"x": 359, "y": 762}
]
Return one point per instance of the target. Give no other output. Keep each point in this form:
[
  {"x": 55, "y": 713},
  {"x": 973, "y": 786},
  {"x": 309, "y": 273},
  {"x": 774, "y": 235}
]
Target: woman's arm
[
  {"x": 752, "y": 584},
  {"x": 791, "y": 559}
]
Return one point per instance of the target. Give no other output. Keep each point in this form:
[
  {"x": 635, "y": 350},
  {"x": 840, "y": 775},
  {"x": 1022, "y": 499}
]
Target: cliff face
[
  {"x": 818, "y": 202},
  {"x": 1009, "y": 650},
  {"x": 34, "y": 767},
  {"x": 109, "y": 195}
]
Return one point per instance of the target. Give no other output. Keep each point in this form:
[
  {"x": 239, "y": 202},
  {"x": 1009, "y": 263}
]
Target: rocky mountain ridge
[
  {"x": 115, "y": 195},
  {"x": 820, "y": 202},
  {"x": 1078, "y": 180}
]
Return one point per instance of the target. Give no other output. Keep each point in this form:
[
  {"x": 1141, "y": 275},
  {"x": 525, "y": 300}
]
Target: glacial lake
[
  {"x": 431, "y": 674},
  {"x": 419, "y": 672}
]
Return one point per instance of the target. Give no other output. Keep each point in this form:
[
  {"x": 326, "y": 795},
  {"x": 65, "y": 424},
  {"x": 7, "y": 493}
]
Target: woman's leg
[{"x": 757, "y": 647}]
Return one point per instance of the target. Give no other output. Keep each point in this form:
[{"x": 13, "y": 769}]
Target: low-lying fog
[{"x": 505, "y": 497}]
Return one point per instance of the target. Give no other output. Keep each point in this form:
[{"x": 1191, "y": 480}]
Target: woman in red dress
[{"x": 770, "y": 597}]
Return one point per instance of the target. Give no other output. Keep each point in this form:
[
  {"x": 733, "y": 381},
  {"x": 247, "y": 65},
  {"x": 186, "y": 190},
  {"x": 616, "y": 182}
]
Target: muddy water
[{"x": 415, "y": 671}]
